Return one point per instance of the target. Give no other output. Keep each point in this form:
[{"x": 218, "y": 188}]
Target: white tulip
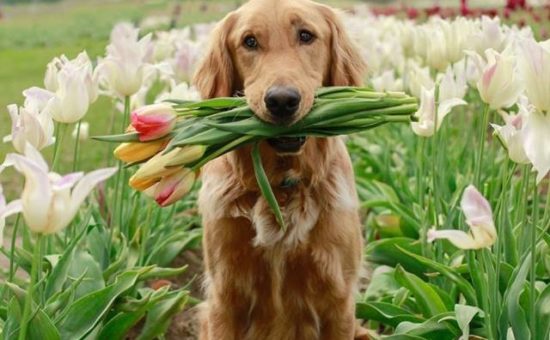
[
  {"x": 180, "y": 92},
  {"x": 451, "y": 85},
  {"x": 122, "y": 72},
  {"x": 500, "y": 84},
  {"x": 430, "y": 115},
  {"x": 479, "y": 217},
  {"x": 511, "y": 135},
  {"x": 536, "y": 142},
  {"x": 534, "y": 63},
  {"x": 48, "y": 203},
  {"x": 417, "y": 78},
  {"x": 72, "y": 98},
  {"x": 82, "y": 63},
  {"x": 490, "y": 35},
  {"x": 31, "y": 123},
  {"x": 6, "y": 210}
]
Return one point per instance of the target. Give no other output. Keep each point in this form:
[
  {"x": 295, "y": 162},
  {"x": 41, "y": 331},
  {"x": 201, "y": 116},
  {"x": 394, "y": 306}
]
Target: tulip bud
[
  {"x": 154, "y": 121},
  {"x": 159, "y": 166},
  {"x": 137, "y": 152},
  {"x": 141, "y": 184},
  {"x": 172, "y": 188},
  {"x": 187, "y": 155}
]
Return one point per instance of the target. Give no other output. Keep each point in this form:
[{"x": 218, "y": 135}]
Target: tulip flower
[
  {"x": 163, "y": 165},
  {"x": 82, "y": 62},
  {"x": 479, "y": 217},
  {"x": 48, "y": 203},
  {"x": 536, "y": 142},
  {"x": 31, "y": 123},
  {"x": 489, "y": 36},
  {"x": 72, "y": 86},
  {"x": 181, "y": 91},
  {"x": 387, "y": 82},
  {"x": 512, "y": 134},
  {"x": 125, "y": 68},
  {"x": 499, "y": 85},
  {"x": 137, "y": 152},
  {"x": 154, "y": 121},
  {"x": 172, "y": 188},
  {"x": 6, "y": 210},
  {"x": 534, "y": 63},
  {"x": 429, "y": 111},
  {"x": 417, "y": 78}
]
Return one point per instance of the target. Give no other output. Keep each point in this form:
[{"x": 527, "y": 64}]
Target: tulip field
[{"x": 99, "y": 231}]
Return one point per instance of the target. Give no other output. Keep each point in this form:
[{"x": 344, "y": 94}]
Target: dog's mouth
[{"x": 287, "y": 144}]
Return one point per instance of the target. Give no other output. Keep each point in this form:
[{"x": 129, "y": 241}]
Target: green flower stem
[
  {"x": 25, "y": 320},
  {"x": 76, "y": 146},
  {"x": 420, "y": 174},
  {"x": 59, "y": 135},
  {"x": 491, "y": 283},
  {"x": 546, "y": 216},
  {"x": 483, "y": 136},
  {"x": 12, "y": 248},
  {"x": 533, "y": 247},
  {"x": 122, "y": 170}
]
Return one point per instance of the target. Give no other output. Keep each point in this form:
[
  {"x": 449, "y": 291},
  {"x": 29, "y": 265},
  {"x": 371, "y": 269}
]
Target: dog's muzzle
[{"x": 287, "y": 144}]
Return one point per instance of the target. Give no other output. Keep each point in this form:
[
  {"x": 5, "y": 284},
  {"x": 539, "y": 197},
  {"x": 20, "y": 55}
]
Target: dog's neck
[{"x": 307, "y": 167}]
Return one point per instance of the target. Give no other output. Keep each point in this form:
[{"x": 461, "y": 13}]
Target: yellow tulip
[{"x": 137, "y": 152}]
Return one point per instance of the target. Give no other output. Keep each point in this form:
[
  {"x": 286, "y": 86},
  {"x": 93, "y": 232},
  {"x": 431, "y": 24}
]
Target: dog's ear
[
  {"x": 347, "y": 65},
  {"x": 215, "y": 74}
]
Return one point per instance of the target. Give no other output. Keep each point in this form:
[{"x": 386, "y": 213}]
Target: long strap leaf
[{"x": 265, "y": 186}]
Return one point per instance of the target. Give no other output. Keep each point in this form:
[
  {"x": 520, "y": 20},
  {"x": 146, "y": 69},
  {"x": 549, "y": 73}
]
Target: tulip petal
[
  {"x": 536, "y": 142},
  {"x": 458, "y": 238},
  {"x": 67, "y": 181},
  {"x": 87, "y": 184},
  {"x": 12, "y": 208},
  {"x": 37, "y": 193}
]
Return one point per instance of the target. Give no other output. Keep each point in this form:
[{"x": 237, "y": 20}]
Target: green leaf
[
  {"x": 381, "y": 284},
  {"x": 438, "y": 327},
  {"x": 429, "y": 302},
  {"x": 157, "y": 272},
  {"x": 11, "y": 327},
  {"x": 82, "y": 263},
  {"x": 85, "y": 313},
  {"x": 158, "y": 319},
  {"x": 516, "y": 314},
  {"x": 58, "y": 276},
  {"x": 463, "y": 285},
  {"x": 385, "y": 252},
  {"x": 40, "y": 327},
  {"x": 385, "y": 313},
  {"x": 464, "y": 315},
  {"x": 120, "y": 325},
  {"x": 265, "y": 186},
  {"x": 123, "y": 138},
  {"x": 543, "y": 314}
]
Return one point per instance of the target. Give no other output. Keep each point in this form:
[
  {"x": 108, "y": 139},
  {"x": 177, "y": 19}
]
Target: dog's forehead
[{"x": 266, "y": 13}]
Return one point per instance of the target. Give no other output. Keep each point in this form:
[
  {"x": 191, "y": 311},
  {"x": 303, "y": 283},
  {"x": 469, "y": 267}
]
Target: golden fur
[{"x": 262, "y": 283}]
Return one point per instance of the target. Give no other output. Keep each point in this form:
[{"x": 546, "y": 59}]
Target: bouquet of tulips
[{"x": 172, "y": 140}]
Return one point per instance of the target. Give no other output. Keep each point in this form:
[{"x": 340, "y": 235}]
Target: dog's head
[{"x": 278, "y": 52}]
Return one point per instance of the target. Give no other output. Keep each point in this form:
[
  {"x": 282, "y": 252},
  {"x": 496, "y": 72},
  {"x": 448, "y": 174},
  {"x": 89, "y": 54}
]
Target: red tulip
[{"x": 154, "y": 121}]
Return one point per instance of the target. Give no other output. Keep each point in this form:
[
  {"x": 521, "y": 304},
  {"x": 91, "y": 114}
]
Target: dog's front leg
[{"x": 229, "y": 272}]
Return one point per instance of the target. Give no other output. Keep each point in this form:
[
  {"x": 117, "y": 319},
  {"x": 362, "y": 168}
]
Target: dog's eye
[
  {"x": 250, "y": 42},
  {"x": 306, "y": 37}
]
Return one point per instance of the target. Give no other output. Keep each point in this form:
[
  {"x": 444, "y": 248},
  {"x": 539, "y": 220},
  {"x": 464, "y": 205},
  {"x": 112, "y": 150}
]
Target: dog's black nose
[{"x": 282, "y": 101}]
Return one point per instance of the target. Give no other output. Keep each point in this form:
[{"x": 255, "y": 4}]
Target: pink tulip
[
  {"x": 172, "y": 188},
  {"x": 154, "y": 121}
]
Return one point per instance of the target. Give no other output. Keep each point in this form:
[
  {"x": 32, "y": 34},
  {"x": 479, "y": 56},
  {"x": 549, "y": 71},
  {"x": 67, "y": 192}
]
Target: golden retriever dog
[{"x": 261, "y": 282}]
